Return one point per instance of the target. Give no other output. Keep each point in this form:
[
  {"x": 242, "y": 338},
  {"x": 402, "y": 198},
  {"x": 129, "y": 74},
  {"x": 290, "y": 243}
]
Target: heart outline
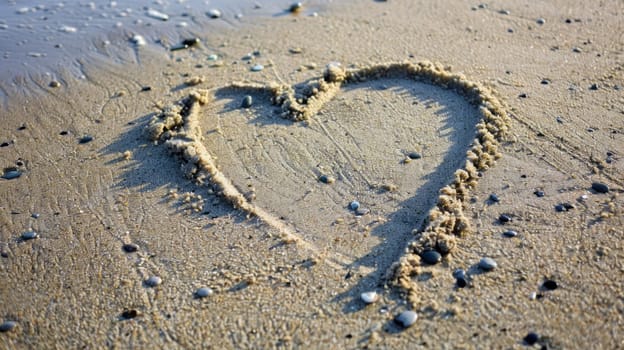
[{"x": 178, "y": 127}]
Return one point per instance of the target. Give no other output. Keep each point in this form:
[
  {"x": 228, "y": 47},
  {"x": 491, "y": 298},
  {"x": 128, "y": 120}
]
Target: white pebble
[
  {"x": 257, "y": 68},
  {"x": 153, "y": 281},
  {"x": 203, "y": 292},
  {"x": 68, "y": 29},
  {"x": 406, "y": 318},
  {"x": 138, "y": 40},
  {"x": 157, "y": 15},
  {"x": 369, "y": 297}
]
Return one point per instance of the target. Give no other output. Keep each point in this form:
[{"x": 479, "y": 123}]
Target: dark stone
[
  {"x": 600, "y": 187},
  {"x": 560, "y": 208},
  {"x": 191, "y": 42},
  {"x": 550, "y": 285},
  {"x": 531, "y": 338},
  {"x": 494, "y": 198},
  {"x": 85, "y": 139},
  {"x": 7, "y": 326},
  {"x": 146, "y": 88},
  {"x": 593, "y": 87},
  {"x": 130, "y": 248},
  {"x": 523, "y": 95},
  {"x": 461, "y": 282},
  {"x": 414, "y": 155},
  {"x": 247, "y": 101},
  {"x": 510, "y": 233},
  {"x": 504, "y": 218},
  {"x": 129, "y": 314},
  {"x": 539, "y": 193},
  {"x": 431, "y": 257}
]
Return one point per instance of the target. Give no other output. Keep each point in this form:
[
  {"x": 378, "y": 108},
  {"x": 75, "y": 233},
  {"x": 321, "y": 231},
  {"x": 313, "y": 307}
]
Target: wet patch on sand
[{"x": 182, "y": 126}]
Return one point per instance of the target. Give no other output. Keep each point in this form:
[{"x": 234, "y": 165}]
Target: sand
[{"x": 291, "y": 277}]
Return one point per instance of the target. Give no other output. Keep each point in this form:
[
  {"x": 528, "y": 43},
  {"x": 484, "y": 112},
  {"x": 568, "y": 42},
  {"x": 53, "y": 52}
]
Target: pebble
[
  {"x": 157, "y": 15},
  {"x": 138, "y": 40},
  {"x": 550, "y": 285},
  {"x": 295, "y": 7},
  {"x": 540, "y": 21},
  {"x": 494, "y": 198},
  {"x": 431, "y": 257},
  {"x": 539, "y": 193},
  {"x": 130, "y": 247},
  {"x": 355, "y": 205},
  {"x": 203, "y": 292},
  {"x": 85, "y": 139},
  {"x": 510, "y": 233},
  {"x": 531, "y": 338},
  {"x": 7, "y": 326},
  {"x": 414, "y": 155},
  {"x": 153, "y": 281},
  {"x": 247, "y": 101},
  {"x": 213, "y": 57},
  {"x": 577, "y": 50},
  {"x": 257, "y": 68},
  {"x": 362, "y": 211},
  {"x": 54, "y": 84},
  {"x": 68, "y": 29},
  {"x": 369, "y": 297},
  {"x": 326, "y": 179},
  {"x": 504, "y": 218},
  {"x": 593, "y": 87},
  {"x": 214, "y": 13},
  {"x": 28, "y": 235},
  {"x": 504, "y": 12},
  {"x": 406, "y": 318},
  {"x": 129, "y": 314},
  {"x": 523, "y": 95},
  {"x": 600, "y": 187},
  {"x": 487, "y": 264},
  {"x": 11, "y": 174},
  {"x": 461, "y": 278}
]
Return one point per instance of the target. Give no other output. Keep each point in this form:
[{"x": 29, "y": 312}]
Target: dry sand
[{"x": 69, "y": 287}]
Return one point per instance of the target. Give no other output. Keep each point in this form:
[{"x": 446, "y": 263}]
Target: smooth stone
[
  {"x": 406, "y": 318},
  {"x": 459, "y": 273},
  {"x": 494, "y": 198},
  {"x": 247, "y": 101},
  {"x": 86, "y": 139},
  {"x": 560, "y": 208},
  {"x": 550, "y": 285},
  {"x": 257, "y": 68},
  {"x": 369, "y": 297},
  {"x": 7, "y": 326},
  {"x": 214, "y": 13},
  {"x": 487, "y": 264},
  {"x": 431, "y": 257},
  {"x": 130, "y": 247},
  {"x": 504, "y": 218},
  {"x": 28, "y": 235},
  {"x": 203, "y": 292},
  {"x": 354, "y": 205},
  {"x": 295, "y": 7},
  {"x": 129, "y": 314},
  {"x": 414, "y": 155},
  {"x": 213, "y": 57},
  {"x": 540, "y": 21},
  {"x": 600, "y": 187},
  {"x": 510, "y": 233},
  {"x": 531, "y": 338},
  {"x": 462, "y": 282},
  {"x": 539, "y": 193},
  {"x": 326, "y": 179},
  {"x": 362, "y": 211},
  {"x": 54, "y": 84},
  {"x": 153, "y": 281},
  {"x": 11, "y": 174}
]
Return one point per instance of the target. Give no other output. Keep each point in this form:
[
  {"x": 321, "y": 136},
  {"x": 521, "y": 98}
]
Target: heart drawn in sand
[{"x": 268, "y": 162}]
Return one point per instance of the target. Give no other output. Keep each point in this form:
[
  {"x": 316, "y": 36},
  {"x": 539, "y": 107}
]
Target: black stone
[
  {"x": 523, "y": 95},
  {"x": 539, "y": 193},
  {"x": 550, "y": 285},
  {"x": 494, "y": 198},
  {"x": 431, "y": 257},
  {"x": 146, "y": 88},
  {"x": 130, "y": 248},
  {"x": 461, "y": 282},
  {"x": 414, "y": 155},
  {"x": 510, "y": 233},
  {"x": 560, "y": 208},
  {"x": 85, "y": 139},
  {"x": 593, "y": 87},
  {"x": 600, "y": 187},
  {"x": 191, "y": 42},
  {"x": 504, "y": 218},
  {"x": 129, "y": 314},
  {"x": 7, "y": 326},
  {"x": 531, "y": 338}
]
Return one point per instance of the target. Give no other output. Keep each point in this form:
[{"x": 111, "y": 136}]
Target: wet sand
[{"x": 70, "y": 286}]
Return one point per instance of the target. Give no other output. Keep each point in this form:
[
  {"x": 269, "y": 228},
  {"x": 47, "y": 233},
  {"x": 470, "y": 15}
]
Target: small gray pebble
[
  {"x": 7, "y": 326},
  {"x": 510, "y": 233},
  {"x": 459, "y": 273},
  {"x": 247, "y": 101},
  {"x": 361, "y": 211},
  {"x": 406, "y": 318},
  {"x": 494, "y": 198},
  {"x": 257, "y": 68},
  {"x": 203, "y": 292},
  {"x": 487, "y": 264},
  {"x": 35, "y": 215},
  {"x": 504, "y": 12},
  {"x": 153, "y": 281},
  {"x": 355, "y": 205},
  {"x": 540, "y": 21},
  {"x": 369, "y": 297},
  {"x": 28, "y": 235}
]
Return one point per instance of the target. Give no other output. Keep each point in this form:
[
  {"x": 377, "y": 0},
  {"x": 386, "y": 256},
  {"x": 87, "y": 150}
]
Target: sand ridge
[{"x": 177, "y": 126}]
